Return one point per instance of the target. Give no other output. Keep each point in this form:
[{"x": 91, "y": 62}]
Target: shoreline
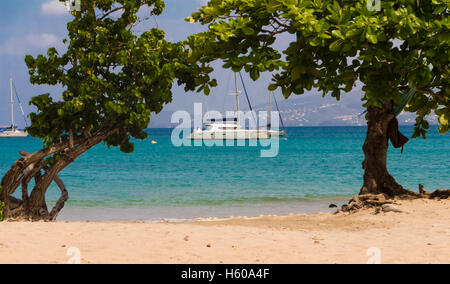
[
  {"x": 420, "y": 234},
  {"x": 182, "y": 214}
]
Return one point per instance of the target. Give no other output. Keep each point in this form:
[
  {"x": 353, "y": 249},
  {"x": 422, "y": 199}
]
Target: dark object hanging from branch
[{"x": 397, "y": 138}]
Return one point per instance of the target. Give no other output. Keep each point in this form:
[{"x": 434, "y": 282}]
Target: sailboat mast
[
  {"x": 237, "y": 99},
  {"x": 12, "y": 103},
  {"x": 270, "y": 108}
]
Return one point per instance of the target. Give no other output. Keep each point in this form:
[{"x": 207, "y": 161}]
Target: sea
[{"x": 313, "y": 168}]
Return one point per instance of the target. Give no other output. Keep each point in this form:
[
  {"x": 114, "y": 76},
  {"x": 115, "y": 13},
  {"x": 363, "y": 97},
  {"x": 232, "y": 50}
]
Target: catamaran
[
  {"x": 12, "y": 131},
  {"x": 230, "y": 128}
]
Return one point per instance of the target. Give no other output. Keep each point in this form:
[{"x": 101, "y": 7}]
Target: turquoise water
[{"x": 315, "y": 166}]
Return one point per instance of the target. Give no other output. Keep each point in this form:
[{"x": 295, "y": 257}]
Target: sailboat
[
  {"x": 230, "y": 128},
  {"x": 12, "y": 131}
]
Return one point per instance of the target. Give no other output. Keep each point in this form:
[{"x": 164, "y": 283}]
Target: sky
[{"x": 33, "y": 26}]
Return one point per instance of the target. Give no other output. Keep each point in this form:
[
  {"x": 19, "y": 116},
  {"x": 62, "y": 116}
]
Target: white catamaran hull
[
  {"x": 13, "y": 134},
  {"x": 238, "y": 134},
  {"x": 230, "y": 128}
]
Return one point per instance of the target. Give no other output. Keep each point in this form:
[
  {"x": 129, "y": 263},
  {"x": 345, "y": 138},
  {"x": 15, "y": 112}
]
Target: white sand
[{"x": 419, "y": 235}]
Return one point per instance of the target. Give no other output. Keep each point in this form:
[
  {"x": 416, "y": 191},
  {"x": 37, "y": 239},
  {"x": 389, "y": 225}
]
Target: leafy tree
[
  {"x": 113, "y": 79},
  {"x": 337, "y": 43}
]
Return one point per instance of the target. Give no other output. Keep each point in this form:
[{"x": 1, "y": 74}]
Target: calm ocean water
[{"x": 315, "y": 166}]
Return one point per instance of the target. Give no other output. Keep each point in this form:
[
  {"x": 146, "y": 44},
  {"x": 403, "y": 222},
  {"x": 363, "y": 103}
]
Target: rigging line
[
  {"x": 364, "y": 112},
  {"x": 245, "y": 90},
  {"x": 279, "y": 113},
  {"x": 156, "y": 21},
  {"x": 228, "y": 90},
  {"x": 20, "y": 105},
  {"x": 248, "y": 100}
]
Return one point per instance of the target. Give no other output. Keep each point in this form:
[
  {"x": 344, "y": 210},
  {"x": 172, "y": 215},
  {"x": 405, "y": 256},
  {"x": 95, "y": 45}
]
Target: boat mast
[
  {"x": 12, "y": 103},
  {"x": 237, "y": 99},
  {"x": 270, "y": 108}
]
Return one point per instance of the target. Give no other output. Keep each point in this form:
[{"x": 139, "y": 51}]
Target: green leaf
[
  {"x": 443, "y": 119},
  {"x": 338, "y": 34},
  {"x": 272, "y": 6},
  {"x": 443, "y": 129},
  {"x": 296, "y": 73},
  {"x": 336, "y": 45},
  {"x": 248, "y": 31},
  {"x": 272, "y": 87},
  {"x": 254, "y": 74},
  {"x": 372, "y": 38}
]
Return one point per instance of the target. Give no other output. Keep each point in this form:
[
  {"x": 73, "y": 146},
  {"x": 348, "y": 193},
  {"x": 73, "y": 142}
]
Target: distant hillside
[
  {"x": 317, "y": 111},
  {"x": 311, "y": 110}
]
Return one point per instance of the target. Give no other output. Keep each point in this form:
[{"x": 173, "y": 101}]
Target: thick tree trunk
[
  {"x": 376, "y": 176},
  {"x": 34, "y": 207}
]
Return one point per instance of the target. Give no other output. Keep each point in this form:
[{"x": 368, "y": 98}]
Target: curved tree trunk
[
  {"x": 376, "y": 176},
  {"x": 32, "y": 166}
]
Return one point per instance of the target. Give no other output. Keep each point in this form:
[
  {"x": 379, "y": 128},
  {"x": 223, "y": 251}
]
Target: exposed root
[
  {"x": 385, "y": 203},
  {"x": 61, "y": 201},
  {"x": 364, "y": 202},
  {"x": 33, "y": 206},
  {"x": 437, "y": 194},
  {"x": 441, "y": 194}
]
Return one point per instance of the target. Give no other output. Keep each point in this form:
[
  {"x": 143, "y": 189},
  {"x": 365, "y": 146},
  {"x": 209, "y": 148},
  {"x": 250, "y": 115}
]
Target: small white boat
[
  {"x": 223, "y": 130},
  {"x": 12, "y": 131},
  {"x": 230, "y": 129}
]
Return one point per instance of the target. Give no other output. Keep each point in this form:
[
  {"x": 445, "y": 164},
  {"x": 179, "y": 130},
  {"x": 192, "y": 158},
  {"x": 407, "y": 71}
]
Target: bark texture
[
  {"x": 33, "y": 166},
  {"x": 377, "y": 179}
]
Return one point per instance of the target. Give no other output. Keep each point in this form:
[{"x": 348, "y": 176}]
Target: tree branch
[{"x": 109, "y": 13}]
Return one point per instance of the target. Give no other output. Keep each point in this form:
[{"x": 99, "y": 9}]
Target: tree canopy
[
  {"x": 113, "y": 77},
  {"x": 336, "y": 44}
]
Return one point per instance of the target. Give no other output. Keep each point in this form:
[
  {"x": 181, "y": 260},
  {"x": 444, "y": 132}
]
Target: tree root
[
  {"x": 385, "y": 203},
  {"x": 19, "y": 209},
  {"x": 365, "y": 201},
  {"x": 437, "y": 194},
  {"x": 33, "y": 206}
]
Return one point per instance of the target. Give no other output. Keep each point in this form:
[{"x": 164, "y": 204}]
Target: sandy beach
[{"x": 420, "y": 234}]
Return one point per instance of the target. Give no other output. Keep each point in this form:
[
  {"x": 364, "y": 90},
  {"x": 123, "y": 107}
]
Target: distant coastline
[{"x": 433, "y": 124}]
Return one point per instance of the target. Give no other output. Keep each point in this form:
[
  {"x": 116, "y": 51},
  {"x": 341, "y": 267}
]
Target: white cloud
[
  {"x": 54, "y": 8},
  {"x": 202, "y": 2},
  {"x": 42, "y": 40},
  {"x": 28, "y": 43}
]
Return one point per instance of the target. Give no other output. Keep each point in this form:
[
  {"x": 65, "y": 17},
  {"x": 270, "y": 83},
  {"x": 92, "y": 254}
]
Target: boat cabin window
[{"x": 228, "y": 127}]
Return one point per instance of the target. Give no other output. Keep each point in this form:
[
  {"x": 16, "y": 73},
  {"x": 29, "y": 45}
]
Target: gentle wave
[{"x": 203, "y": 202}]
